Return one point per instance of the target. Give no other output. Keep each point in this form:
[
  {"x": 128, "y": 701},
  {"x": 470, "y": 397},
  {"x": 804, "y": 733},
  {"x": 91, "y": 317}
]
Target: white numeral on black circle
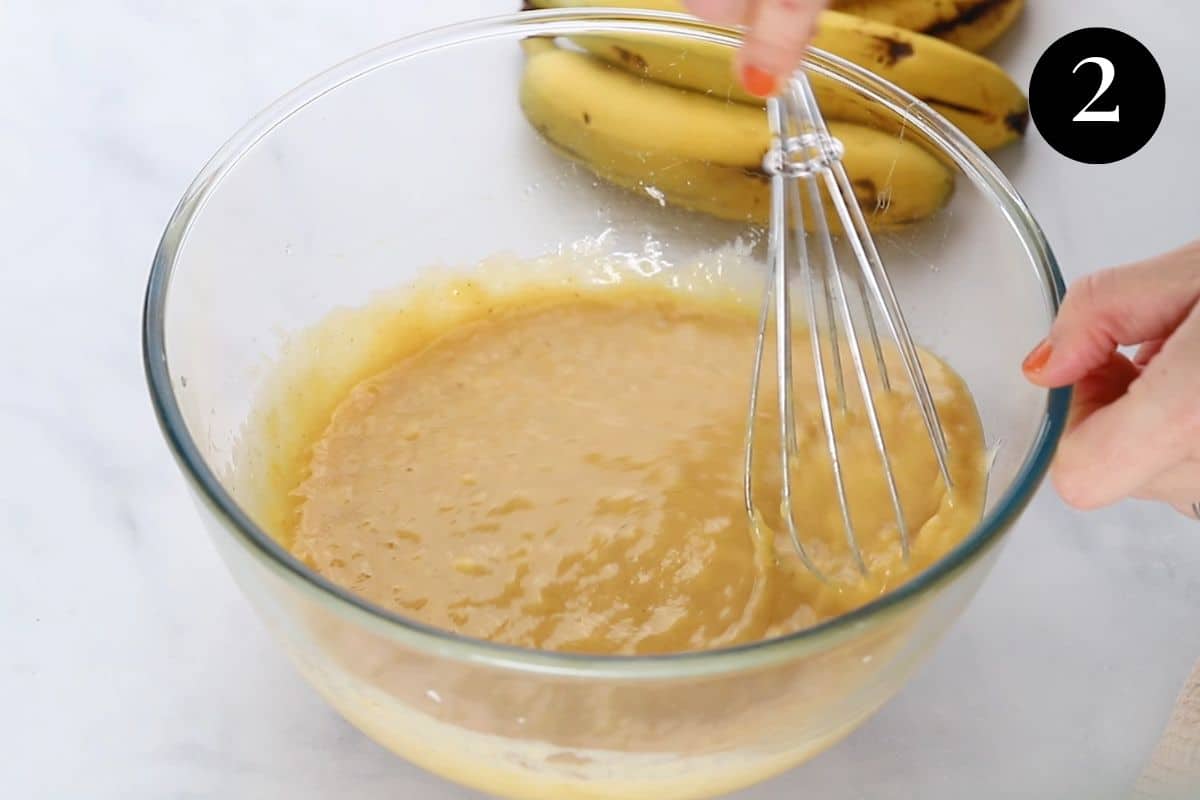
[{"x": 1107, "y": 73}]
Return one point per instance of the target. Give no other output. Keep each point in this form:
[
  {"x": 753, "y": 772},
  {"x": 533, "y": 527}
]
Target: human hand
[
  {"x": 1134, "y": 424},
  {"x": 778, "y": 31}
]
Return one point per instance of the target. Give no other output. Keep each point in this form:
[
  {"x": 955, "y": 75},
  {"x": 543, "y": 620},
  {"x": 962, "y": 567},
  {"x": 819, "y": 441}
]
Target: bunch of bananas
[{"x": 666, "y": 115}]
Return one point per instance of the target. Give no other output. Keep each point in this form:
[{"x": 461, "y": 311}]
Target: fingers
[
  {"x": 777, "y": 35},
  {"x": 1123, "y": 306},
  {"x": 1101, "y": 387},
  {"x": 776, "y": 42},
  {"x": 1120, "y": 447},
  {"x": 1134, "y": 426},
  {"x": 722, "y": 12}
]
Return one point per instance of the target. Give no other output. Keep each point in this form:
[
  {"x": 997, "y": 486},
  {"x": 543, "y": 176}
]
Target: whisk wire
[
  {"x": 809, "y": 116},
  {"x": 783, "y": 343},
  {"x": 871, "y": 271},
  {"x": 804, "y": 152},
  {"x": 818, "y": 340}
]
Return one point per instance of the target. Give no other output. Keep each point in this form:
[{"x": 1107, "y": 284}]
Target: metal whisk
[{"x": 804, "y": 153}]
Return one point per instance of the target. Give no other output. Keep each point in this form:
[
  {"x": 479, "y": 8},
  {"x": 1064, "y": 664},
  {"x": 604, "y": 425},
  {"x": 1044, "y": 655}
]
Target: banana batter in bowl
[
  {"x": 560, "y": 468},
  {"x": 633, "y": 392}
]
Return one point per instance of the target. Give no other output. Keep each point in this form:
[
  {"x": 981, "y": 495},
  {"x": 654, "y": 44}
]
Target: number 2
[{"x": 1107, "y": 73}]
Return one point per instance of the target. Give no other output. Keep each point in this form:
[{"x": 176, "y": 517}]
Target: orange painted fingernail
[
  {"x": 757, "y": 81},
  {"x": 1036, "y": 360}
]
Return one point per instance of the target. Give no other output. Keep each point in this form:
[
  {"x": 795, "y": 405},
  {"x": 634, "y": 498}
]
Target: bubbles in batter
[{"x": 559, "y": 466}]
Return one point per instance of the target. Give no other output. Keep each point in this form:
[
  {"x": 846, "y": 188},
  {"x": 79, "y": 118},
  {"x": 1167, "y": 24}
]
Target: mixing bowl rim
[{"x": 969, "y": 158}]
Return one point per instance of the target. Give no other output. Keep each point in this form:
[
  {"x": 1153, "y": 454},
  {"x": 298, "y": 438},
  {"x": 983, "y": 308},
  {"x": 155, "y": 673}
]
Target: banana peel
[
  {"x": 702, "y": 153},
  {"x": 972, "y": 92}
]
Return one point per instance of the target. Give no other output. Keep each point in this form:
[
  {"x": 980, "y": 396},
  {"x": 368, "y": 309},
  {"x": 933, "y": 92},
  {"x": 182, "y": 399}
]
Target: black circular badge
[{"x": 1097, "y": 95}]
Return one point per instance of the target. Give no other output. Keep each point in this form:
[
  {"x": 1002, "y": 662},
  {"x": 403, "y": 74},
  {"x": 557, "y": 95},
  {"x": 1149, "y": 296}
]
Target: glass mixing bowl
[{"x": 416, "y": 154}]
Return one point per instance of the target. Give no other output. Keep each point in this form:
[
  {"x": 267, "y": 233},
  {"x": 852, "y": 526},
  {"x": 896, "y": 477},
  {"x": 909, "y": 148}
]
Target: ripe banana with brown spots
[
  {"x": 701, "y": 153},
  {"x": 969, "y": 90},
  {"x": 971, "y": 24}
]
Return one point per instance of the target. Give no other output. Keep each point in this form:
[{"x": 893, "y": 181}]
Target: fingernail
[
  {"x": 757, "y": 81},
  {"x": 1037, "y": 358}
]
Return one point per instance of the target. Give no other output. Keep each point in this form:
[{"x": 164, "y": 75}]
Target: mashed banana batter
[{"x": 563, "y": 470}]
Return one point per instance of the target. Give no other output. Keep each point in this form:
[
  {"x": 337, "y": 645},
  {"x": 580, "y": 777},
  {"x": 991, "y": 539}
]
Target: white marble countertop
[{"x": 130, "y": 667}]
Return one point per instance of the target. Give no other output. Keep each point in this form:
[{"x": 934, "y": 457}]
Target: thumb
[{"x": 1122, "y": 306}]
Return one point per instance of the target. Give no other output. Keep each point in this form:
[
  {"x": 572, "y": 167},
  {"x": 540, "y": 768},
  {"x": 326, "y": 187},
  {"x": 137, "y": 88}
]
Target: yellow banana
[
  {"x": 971, "y": 24},
  {"x": 972, "y": 92},
  {"x": 704, "y": 154}
]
